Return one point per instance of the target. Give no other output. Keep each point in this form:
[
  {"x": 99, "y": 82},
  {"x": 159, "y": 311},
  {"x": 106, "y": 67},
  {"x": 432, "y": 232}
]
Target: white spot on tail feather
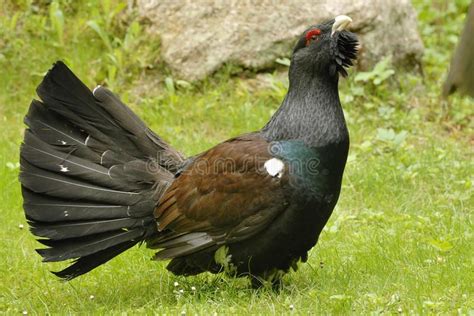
[
  {"x": 95, "y": 89},
  {"x": 63, "y": 168},
  {"x": 63, "y": 142},
  {"x": 274, "y": 167},
  {"x": 102, "y": 158}
]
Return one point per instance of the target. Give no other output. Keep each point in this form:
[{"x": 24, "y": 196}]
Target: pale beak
[{"x": 341, "y": 22}]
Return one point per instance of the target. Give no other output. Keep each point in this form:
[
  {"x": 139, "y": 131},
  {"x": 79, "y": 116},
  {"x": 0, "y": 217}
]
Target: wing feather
[{"x": 223, "y": 196}]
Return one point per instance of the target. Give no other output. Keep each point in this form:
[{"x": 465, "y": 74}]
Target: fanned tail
[{"x": 91, "y": 173}]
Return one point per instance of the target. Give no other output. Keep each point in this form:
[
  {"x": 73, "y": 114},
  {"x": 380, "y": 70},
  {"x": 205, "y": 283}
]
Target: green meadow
[{"x": 401, "y": 239}]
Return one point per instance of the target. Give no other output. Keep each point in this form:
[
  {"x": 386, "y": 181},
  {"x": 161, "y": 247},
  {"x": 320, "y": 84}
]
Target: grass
[{"x": 401, "y": 239}]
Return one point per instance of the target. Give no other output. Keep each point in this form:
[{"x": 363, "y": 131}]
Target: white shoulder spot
[{"x": 274, "y": 167}]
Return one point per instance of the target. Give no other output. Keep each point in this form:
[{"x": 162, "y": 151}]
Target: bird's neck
[{"x": 311, "y": 112}]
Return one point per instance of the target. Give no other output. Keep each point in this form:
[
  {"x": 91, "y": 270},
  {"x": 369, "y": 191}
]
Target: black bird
[{"x": 96, "y": 181}]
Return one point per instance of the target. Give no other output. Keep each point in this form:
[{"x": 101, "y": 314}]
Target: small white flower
[
  {"x": 91, "y": 297},
  {"x": 13, "y": 165},
  {"x": 21, "y": 226},
  {"x": 292, "y": 307},
  {"x": 193, "y": 288},
  {"x": 183, "y": 313},
  {"x": 25, "y": 313},
  {"x": 181, "y": 291},
  {"x": 175, "y": 283}
]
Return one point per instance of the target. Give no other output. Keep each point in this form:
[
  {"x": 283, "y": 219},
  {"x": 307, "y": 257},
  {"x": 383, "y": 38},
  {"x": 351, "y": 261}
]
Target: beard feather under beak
[{"x": 341, "y": 22}]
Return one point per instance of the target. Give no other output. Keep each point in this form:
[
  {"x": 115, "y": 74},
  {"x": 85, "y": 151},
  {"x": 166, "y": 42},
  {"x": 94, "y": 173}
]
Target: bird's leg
[
  {"x": 256, "y": 282},
  {"x": 271, "y": 279},
  {"x": 277, "y": 284}
]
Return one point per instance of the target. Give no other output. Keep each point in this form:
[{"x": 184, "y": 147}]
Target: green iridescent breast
[{"x": 316, "y": 171}]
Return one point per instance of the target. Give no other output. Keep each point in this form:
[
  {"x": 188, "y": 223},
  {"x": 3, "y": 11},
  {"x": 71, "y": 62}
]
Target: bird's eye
[{"x": 312, "y": 35}]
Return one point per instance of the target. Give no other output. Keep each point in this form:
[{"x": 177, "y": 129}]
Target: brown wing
[{"x": 223, "y": 196}]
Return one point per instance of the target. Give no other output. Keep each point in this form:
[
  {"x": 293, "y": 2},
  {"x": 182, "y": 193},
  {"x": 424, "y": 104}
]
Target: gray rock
[{"x": 199, "y": 36}]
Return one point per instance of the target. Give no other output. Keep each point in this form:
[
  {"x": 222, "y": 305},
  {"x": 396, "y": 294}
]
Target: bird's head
[{"x": 326, "y": 49}]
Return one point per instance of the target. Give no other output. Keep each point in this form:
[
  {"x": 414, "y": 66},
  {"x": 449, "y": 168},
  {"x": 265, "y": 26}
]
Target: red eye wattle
[{"x": 312, "y": 35}]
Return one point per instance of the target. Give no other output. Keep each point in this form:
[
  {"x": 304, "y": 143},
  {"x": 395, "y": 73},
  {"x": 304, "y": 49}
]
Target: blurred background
[{"x": 401, "y": 238}]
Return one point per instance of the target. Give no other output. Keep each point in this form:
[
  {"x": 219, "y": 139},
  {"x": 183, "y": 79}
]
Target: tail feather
[
  {"x": 85, "y": 264},
  {"x": 78, "y": 247},
  {"x": 75, "y": 229},
  {"x": 57, "y": 131},
  {"x": 127, "y": 121},
  {"x": 91, "y": 173},
  {"x": 149, "y": 141},
  {"x": 103, "y": 111},
  {"x": 44, "y": 156},
  {"x": 66, "y": 95},
  {"x": 135, "y": 172},
  {"x": 81, "y": 123},
  {"x": 47, "y": 209},
  {"x": 56, "y": 185}
]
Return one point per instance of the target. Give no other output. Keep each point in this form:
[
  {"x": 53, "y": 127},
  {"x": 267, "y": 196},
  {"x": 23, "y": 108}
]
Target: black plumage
[
  {"x": 85, "y": 174},
  {"x": 96, "y": 181}
]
